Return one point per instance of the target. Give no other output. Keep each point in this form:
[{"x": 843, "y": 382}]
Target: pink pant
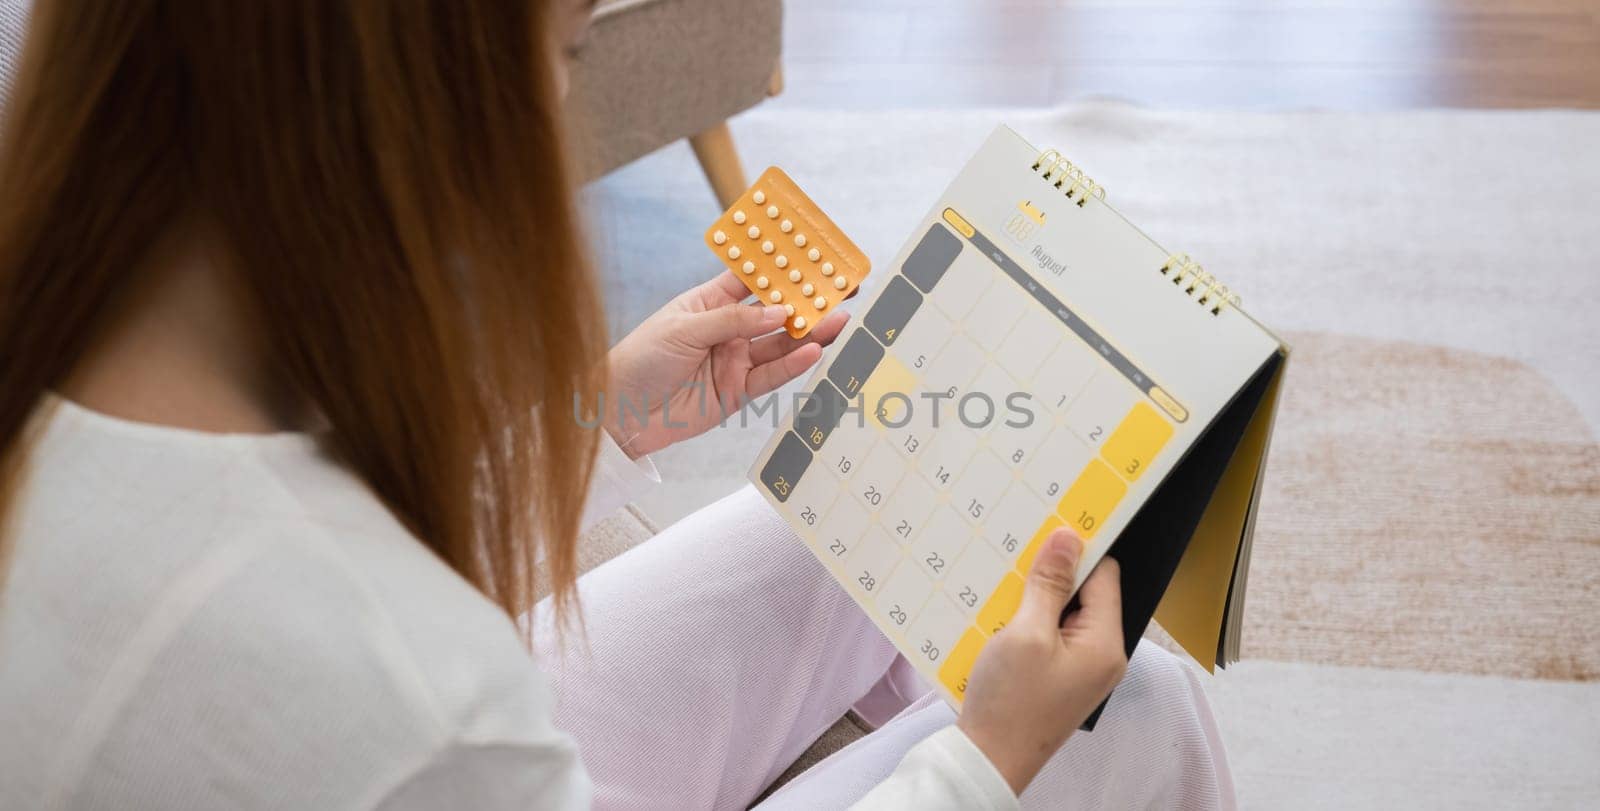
[{"x": 715, "y": 653}]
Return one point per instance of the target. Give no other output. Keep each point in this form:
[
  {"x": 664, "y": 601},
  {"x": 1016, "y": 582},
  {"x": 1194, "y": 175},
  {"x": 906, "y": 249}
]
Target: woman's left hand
[{"x": 700, "y": 358}]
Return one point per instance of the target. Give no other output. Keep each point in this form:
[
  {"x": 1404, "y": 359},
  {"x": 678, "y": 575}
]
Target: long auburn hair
[{"x": 389, "y": 183}]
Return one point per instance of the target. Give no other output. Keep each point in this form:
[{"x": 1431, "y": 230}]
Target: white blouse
[{"x": 235, "y": 621}]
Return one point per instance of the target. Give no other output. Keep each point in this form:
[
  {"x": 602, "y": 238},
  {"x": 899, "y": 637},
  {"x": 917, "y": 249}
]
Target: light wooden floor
[{"x": 1237, "y": 54}]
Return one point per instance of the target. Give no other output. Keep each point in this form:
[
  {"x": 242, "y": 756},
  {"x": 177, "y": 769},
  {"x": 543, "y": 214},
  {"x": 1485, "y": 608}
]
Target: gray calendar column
[
  {"x": 932, "y": 257},
  {"x": 855, "y": 362},
  {"x": 788, "y": 463},
  {"x": 819, "y": 414},
  {"x": 893, "y": 309}
]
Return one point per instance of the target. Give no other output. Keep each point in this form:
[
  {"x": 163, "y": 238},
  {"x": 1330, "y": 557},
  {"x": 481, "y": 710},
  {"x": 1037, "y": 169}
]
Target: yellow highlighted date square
[
  {"x": 1136, "y": 441},
  {"x": 887, "y": 396},
  {"x": 958, "y": 666},
  {"x": 1090, "y": 499},
  {"x": 1002, "y": 605},
  {"x": 1025, "y": 560}
]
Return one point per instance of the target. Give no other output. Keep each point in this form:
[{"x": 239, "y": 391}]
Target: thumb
[
  {"x": 732, "y": 321},
  {"x": 1050, "y": 581},
  {"x": 1101, "y": 596}
]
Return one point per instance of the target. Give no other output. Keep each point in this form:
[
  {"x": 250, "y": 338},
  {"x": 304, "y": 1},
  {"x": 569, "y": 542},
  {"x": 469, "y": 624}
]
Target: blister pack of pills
[{"x": 783, "y": 247}]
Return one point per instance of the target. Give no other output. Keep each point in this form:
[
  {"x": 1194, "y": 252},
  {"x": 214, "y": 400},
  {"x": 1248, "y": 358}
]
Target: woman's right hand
[{"x": 1039, "y": 678}]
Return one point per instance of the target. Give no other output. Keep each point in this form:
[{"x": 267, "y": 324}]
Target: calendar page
[{"x": 1025, "y": 363}]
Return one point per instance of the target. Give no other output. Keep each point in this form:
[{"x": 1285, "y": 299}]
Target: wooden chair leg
[{"x": 720, "y": 161}]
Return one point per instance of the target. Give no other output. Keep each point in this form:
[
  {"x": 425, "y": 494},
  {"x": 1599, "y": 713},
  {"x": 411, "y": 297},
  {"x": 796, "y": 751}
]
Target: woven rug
[
  {"x": 1427, "y": 508},
  {"x": 1419, "y": 627}
]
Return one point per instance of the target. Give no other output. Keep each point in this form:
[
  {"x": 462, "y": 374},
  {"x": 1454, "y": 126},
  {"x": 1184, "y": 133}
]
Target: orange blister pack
[{"x": 778, "y": 242}]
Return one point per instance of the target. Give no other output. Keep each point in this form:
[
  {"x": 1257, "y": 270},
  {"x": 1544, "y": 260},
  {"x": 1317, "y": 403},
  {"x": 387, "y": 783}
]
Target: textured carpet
[
  {"x": 13, "y": 17},
  {"x": 1419, "y": 627},
  {"x": 1427, "y": 508}
]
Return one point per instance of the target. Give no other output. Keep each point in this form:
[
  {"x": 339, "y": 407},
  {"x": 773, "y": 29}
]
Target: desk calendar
[{"x": 1032, "y": 360}]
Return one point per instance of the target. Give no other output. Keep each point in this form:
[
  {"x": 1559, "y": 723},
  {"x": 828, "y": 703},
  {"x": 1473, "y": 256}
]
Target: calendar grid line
[
  {"x": 1075, "y": 322},
  {"x": 951, "y": 496},
  {"x": 912, "y": 567}
]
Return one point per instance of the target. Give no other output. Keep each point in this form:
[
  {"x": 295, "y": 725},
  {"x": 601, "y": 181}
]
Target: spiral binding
[
  {"x": 1056, "y": 166},
  {"x": 1213, "y": 294},
  {"x": 1207, "y": 290}
]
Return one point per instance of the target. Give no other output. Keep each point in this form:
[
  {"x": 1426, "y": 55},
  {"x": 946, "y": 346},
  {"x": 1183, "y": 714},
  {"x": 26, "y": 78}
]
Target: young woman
[{"x": 293, "y": 310}]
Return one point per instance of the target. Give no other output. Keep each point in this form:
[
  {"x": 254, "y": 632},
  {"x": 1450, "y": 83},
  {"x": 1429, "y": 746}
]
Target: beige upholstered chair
[{"x": 654, "y": 71}]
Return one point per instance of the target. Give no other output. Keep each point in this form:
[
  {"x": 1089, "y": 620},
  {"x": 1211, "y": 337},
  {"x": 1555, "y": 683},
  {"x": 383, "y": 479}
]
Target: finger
[
  {"x": 1101, "y": 596},
  {"x": 731, "y": 321},
  {"x": 773, "y": 347},
  {"x": 724, "y": 288},
  {"x": 769, "y": 376},
  {"x": 1050, "y": 581}
]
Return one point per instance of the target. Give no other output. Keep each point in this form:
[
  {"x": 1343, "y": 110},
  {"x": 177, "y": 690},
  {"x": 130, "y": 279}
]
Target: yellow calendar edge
[{"x": 1194, "y": 610}]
